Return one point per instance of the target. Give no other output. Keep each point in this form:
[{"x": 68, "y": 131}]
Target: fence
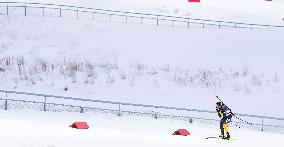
[
  {"x": 41, "y": 9},
  {"x": 43, "y": 102}
]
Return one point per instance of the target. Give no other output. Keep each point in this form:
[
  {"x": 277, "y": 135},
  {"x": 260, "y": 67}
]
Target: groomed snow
[
  {"x": 142, "y": 64},
  {"x": 49, "y": 129}
]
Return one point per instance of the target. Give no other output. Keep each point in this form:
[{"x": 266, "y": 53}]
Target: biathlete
[{"x": 226, "y": 115}]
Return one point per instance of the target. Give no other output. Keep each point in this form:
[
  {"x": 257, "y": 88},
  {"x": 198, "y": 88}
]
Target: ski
[{"x": 213, "y": 137}]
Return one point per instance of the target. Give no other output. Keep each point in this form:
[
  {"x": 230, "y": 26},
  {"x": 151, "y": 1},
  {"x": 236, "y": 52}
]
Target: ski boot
[{"x": 227, "y": 137}]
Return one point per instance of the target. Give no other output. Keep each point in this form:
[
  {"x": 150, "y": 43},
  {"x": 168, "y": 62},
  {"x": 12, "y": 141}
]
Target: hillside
[
  {"x": 139, "y": 64},
  {"x": 114, "y": 58}
]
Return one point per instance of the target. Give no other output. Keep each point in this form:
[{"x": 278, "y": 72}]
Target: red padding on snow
[
  {"x": 194, "y": 1},
  {"x": 182, "y": 132},
  {"x": 80, "y": 125}
]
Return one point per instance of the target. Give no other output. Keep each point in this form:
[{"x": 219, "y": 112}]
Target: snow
[
  {"x": 253, "y": 11},
  {"x": 50, "y": 129},
  {"x": 144, "y": 64},
  {"x": 132, "y": 51}
]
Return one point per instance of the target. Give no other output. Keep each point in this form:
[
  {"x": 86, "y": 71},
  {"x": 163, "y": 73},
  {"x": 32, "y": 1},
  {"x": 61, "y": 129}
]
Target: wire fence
[
  {"x": 43, "y": 102},
  {"x": 67, "y": 11}
]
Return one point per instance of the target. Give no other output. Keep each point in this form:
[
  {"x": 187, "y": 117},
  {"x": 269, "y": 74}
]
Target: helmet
[{"x": 219, "y": 103}]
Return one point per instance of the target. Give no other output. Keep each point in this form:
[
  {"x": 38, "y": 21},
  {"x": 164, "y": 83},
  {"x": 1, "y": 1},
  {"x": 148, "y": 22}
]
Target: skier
[{"x": 226, "y": 115}]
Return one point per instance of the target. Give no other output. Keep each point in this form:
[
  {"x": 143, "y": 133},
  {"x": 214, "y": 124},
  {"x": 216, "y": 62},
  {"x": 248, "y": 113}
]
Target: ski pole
[
  {"x": 236, "y": 125},
  {"x": 219, "y": 99},
  {"x": 243, "y": 120}
]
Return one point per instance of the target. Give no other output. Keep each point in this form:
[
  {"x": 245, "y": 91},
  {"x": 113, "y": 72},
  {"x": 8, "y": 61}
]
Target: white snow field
[
  {"x": 144, "y": 64},
  {"x": 27, "y": 128}
]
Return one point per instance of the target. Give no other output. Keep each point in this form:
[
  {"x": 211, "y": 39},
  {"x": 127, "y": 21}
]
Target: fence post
[
  {"x": 60, "y": 11},
  {"x": 6, "y": 101},
  {"x": 125, "y": 18},
  {"x": 219, "y": 24},
  {"x": 190, "y": 120},
  {"x": 25, "y": 10},
  {"x": 93, "y": 16},
  {"x": 81, "y": 110},
  {"x": 42, "y": 11},
  {"x": 141, "y": 20},
  {"x": 188, "y": 23},
  {"x": 119, "y": 109},
  {"x": 6, "y": 104},
  {"x": 235, "y": 25},
  {"x": 77, "y": 13},
  {"x": 44, "y": 105},
  {"x": 203, "y": 25},
  {"x": 262, "y": 125},
  {"x": 7, "y": 10},
  {"x": 157, "y": 20}
]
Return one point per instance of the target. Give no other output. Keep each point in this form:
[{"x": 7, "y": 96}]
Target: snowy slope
[
  {"x": 139, "y": 64},
  {"x": 147, "y": 64},
  {"x": 20, "y": 129},
  {"x": 142, "y": 64}
]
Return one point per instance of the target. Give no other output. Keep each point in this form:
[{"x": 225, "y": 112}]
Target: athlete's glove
[
  {"x": 218, "y": 110},
  {"x": 219, "y": 114}
]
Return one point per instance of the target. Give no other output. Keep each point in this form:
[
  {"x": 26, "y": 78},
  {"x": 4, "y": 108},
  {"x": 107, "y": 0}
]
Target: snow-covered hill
[
  {"x": 143, "y": 64},
  {"x": 139, "y": 64}
]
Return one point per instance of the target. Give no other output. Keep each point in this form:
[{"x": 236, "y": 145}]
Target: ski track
[{"x": 49, "y": 129}]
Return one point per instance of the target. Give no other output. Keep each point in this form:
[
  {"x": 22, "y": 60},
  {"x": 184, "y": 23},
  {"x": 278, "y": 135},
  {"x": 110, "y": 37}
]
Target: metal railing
[
  {"x": 140, "y": 17},
  {"x": 82, "y": 105}
]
